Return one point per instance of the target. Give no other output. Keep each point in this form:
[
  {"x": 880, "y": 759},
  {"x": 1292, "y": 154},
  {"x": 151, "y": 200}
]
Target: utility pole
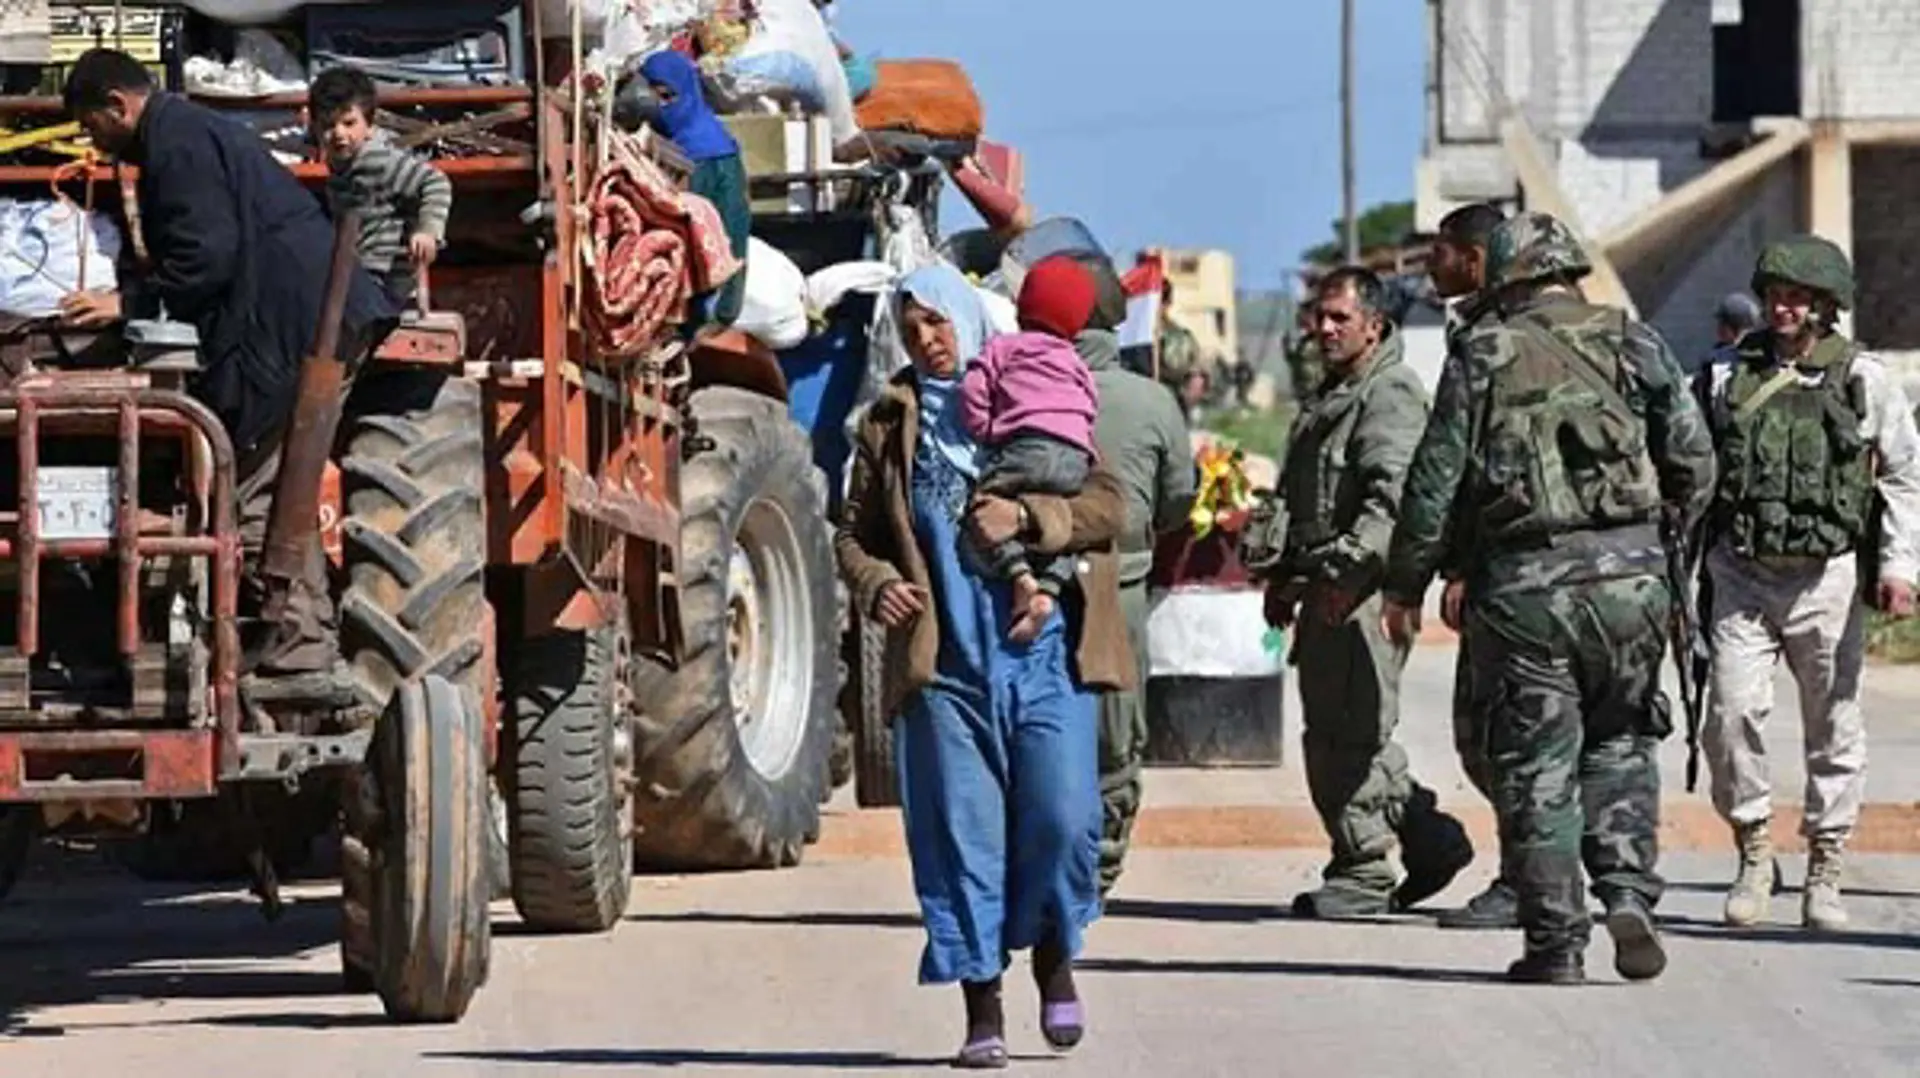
[{"x": 1348, "y": 209}]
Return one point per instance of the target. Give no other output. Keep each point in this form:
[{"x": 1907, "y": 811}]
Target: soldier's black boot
[
  {"x": 1637, "y": 952},
  {"x": 1496, "y": 907},
  {"x": 1434, "y": 848},
  {"x": 1549, "y": 967}
]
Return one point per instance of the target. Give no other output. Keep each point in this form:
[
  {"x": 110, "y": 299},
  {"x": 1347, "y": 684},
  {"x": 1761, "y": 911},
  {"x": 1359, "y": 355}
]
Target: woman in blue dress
[{"x": 996, "y": 742}]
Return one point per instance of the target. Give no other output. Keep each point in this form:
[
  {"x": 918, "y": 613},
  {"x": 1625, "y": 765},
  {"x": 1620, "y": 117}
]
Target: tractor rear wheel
[
  {"x": 415, "y": 536},
  {"x": 731, "y": 752}
]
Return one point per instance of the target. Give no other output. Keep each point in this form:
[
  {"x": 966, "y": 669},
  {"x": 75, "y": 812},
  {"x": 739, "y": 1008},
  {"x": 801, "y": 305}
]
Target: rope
[{"x": 83, "y": 214}]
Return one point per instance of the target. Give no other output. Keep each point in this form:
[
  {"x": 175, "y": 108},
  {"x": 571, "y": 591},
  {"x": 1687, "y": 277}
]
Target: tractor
[{"x": 587, "y": 599}]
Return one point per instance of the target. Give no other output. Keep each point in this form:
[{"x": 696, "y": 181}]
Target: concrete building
[
  {"x": 1204, "y": 298},
  {"x": 1682, "y": 135}
]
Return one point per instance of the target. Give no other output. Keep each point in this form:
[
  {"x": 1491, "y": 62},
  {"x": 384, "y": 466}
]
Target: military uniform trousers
[
  {"x": 1570, "y": 679},
  {"x": 1123, "y": 744},
  {"x": 1809, "y": 614},
  {"x": 1356, "y": 774}
]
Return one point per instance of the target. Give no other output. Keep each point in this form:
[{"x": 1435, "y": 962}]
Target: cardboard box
[
  {"x": 777, "y": 146},
  {"x": 150, "y": 33}
]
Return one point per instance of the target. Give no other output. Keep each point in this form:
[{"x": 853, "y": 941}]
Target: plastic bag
[
  {"x": 781, "y": 75},
  {"x": 1212, "y": 633},
  {"x": 40, "y": 244},
  {"x": 262, "y": 64},
  {"x": 862, "y": 74},
  {"x": 828, "y": 287},
  {"x": 774, "y": 308},
  {"x": 809, "y": 71}
]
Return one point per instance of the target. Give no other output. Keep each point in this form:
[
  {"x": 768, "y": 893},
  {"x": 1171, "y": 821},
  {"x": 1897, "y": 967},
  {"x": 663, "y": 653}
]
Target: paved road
[{"x": 1195, "y": 972}]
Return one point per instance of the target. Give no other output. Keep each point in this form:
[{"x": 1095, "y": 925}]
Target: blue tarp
[{"x": 824, "y": 375}]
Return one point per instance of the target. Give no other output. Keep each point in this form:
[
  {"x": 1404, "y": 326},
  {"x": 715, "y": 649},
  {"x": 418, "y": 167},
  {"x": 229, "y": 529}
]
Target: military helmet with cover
[
  {"x": 1532, "y": 247},
  {"x": 1810, "y": 262}
]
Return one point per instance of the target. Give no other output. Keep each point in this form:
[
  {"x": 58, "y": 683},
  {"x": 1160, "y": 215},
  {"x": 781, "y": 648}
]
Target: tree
[{"x": 1383, "y": 224}]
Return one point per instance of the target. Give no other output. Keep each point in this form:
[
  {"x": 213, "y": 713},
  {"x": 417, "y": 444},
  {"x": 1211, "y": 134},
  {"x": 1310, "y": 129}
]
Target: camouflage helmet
[
  {"x": 1810, "y": 262},
  {"x": 1533, "y": 246}
]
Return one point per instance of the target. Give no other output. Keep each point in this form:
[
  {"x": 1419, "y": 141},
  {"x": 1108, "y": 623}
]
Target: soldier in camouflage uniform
[
  {"x": 1459, "y": 272},
  {"x": 1304, "y": 368},
  {"x": 1179, "y": 348},
  {"x": 1565, "y": 433},
  {"x": 1803, "y": 419},
  {"x": 1340, "y": 486},
  {"x": 1144, "y": 439}
]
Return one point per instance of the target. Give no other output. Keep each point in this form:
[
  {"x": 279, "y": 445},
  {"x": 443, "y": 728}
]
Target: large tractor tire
[
  {"x": 876, "y": 781},
  {"x": 17, "y": 824},
  {"x": 427, "y": 888},
  {"x": 843, "y": 758},
  {"x": 570, "y": 757},
  {"x": 731, "y": 752},
  {"x": 415, "y": 537}
]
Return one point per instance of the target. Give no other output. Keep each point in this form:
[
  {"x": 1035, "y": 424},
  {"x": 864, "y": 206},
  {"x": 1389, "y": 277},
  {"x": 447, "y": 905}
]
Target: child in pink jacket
[{"x": 1029, "y": 400}]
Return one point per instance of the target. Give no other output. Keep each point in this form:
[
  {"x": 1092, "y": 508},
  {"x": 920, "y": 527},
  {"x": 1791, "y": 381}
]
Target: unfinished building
[{"x": 1679, "y": 136}]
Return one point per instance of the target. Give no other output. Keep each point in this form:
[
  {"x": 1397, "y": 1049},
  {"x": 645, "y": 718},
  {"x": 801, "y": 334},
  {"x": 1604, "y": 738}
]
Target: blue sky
[{"x": 1196, "y": 123}]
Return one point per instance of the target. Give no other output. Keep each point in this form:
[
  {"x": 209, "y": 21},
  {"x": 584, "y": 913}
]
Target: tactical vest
[
  {"x": 1565, "y": 448},
  {"x": 1796, "y": 477}
]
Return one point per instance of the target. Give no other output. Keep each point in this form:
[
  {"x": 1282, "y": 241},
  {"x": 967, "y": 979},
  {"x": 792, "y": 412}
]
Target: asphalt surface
[{"x": 1196, "y": 970}]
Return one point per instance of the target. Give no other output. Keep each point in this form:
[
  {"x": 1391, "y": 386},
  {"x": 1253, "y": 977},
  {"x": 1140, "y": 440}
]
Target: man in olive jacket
[
  {"x": 1346, "y": 459},
  {"x": 1143, "y": 438}
]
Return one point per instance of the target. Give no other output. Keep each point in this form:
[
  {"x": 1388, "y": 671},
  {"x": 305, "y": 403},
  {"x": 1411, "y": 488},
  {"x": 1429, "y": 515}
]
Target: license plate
[{"x": 76, "y": 503}]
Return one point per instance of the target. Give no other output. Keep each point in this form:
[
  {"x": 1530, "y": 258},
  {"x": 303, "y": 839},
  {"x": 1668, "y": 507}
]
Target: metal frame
[
  {"x": 575, "y": 445},
  {"x": 153, "y": 763}
]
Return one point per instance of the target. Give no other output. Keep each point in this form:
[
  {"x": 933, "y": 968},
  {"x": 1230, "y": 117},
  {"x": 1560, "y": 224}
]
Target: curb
[{"x": 1886, "y": 828}]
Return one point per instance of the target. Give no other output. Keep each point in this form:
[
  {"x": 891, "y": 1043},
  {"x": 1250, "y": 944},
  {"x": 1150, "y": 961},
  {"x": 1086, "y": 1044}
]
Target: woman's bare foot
[{"x": 1031, "y": 609}]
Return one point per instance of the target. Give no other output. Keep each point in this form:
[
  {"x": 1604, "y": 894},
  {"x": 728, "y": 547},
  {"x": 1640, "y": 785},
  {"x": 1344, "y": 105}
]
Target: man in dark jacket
[{"x": 236, "y": 247}]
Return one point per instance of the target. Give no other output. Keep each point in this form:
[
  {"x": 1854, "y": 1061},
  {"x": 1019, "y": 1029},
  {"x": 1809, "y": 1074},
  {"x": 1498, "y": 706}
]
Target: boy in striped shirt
[{"x": 403, "y": 200}]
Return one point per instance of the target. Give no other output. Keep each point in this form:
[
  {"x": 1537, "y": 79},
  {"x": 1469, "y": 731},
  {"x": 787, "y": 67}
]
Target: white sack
[
  {"x": 40, "y": 255},
  {"x": 774, "y": 307}
]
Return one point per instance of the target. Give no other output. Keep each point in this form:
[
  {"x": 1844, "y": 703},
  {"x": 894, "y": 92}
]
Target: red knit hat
[{"x": 1057, "y": 297}]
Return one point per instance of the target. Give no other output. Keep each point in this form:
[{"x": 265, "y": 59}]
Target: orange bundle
[{"x": 927, "y": 97}]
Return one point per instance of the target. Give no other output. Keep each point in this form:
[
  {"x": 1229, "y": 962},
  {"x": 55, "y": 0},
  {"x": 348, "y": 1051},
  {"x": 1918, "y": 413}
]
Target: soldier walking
[
  {"x": 1810, "y": 429},
  {"x": 1143, "y": 438},
  {"x": 1459, "y": 273},
  {"x": 1562, "y": 435},
  {"x": 1346, "y": 459}
]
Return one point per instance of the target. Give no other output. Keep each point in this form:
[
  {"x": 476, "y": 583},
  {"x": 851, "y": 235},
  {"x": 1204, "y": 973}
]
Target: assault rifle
[{"x": 1691, "y": 657}]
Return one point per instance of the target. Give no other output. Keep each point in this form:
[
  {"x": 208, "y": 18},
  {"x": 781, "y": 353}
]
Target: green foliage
[
  {"x": 1258, "y": 431},
  {"x": 1893, "y": 641},
  {"x": 1383, "y": 224}
]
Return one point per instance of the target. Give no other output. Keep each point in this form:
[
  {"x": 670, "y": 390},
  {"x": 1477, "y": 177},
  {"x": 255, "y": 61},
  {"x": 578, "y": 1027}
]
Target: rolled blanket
[{"x": 652, "y": 247}]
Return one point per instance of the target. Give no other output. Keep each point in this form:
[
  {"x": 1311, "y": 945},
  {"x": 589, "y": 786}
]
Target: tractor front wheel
[{"x": 430, "y": 933}]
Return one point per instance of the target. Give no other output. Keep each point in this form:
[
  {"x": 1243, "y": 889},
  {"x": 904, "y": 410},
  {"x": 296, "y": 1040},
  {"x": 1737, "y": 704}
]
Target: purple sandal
[
  {"x": 985, "y": 1054},
  {"x": 1063, "y": 1024}
]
